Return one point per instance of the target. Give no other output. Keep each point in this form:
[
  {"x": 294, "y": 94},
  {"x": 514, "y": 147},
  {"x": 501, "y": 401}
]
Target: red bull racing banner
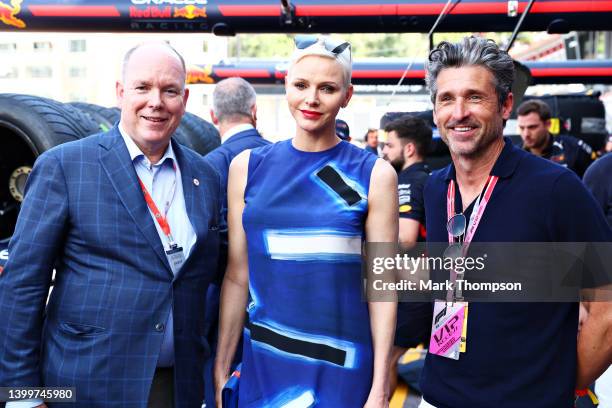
[
  {"x": 389, "y": 72},
  {"x": 228, "y": 17}
]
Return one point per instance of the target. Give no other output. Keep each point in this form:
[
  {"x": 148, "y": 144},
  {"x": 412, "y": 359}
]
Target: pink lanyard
[{"x": 477, "y": 212}]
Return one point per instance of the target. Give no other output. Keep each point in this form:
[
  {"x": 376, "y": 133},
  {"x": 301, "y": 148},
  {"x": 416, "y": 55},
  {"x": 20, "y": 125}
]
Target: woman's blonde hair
[{"x": 325, "y": 46}]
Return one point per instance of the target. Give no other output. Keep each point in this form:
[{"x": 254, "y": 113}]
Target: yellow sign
[
  {"x": 8, "y": 14},
  {"x": 555, "y": 126},
  {"x": 200, "y": 75}
]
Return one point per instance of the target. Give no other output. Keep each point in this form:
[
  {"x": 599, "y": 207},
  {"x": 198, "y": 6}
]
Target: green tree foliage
[
  {"x": 269, "y": 46},
  {"x": 389, "y": 45},
  {"x": 383, "y": 45},
  {"x": 280, "y": 46}
]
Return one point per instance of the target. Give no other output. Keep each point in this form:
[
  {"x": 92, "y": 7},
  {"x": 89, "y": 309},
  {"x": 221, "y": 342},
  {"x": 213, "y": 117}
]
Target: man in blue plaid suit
[{"x": 130, "y": 220}]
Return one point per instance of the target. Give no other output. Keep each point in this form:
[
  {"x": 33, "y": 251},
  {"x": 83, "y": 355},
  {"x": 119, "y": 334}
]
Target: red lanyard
[
  {"x": 159, "y": 217},
  {"x": 477, "y": 212}
]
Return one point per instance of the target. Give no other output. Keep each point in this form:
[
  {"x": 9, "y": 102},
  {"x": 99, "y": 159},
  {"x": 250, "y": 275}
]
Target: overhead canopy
[{"x": 228, "y": 17}]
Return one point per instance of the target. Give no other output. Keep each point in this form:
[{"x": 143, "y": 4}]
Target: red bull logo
[
  {"x": 190, "y": 12},
  {"x": 200, "y": 75},
  {"x": 8, "y": 14},
  {"x": 150, "y": 12}
]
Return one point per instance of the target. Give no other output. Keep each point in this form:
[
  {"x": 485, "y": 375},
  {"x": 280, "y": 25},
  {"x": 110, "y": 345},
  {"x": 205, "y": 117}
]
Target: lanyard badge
[
  {"x": 449, "y": 329},
  {"x": 449, "y": 325},
  {"x": 174, "y": 253},
  {"x": 176, "y": 258}
]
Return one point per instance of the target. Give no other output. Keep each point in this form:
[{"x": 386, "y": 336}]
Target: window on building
[
  {"x": 78, "y": 72},
  {"x": 78, "y": 46},
  {"x": 77, "y": 97},
  {"x": 39, "y": 72},
  {"x": 41, "y": 46},
  {"x": 8, "y": 47},
  {"x": 8, "y": 72}
]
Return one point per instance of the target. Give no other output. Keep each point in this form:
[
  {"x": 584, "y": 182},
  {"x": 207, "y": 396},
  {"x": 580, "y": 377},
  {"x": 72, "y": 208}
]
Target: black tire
[
  {"x": 105, "y": 117},
  {"x": 203, "y": 136},
  {"x": 30, "y": 125},
  {"x": 193, "y": 132}
]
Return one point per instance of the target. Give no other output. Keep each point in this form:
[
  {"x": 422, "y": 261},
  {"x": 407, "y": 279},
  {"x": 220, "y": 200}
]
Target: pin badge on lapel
[{"x": 196, "y": 182}]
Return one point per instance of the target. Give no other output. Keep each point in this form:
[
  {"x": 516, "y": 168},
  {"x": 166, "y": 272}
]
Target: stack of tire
[{"x": 30, "y": 125}]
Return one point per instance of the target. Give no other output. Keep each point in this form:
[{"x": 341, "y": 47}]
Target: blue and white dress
[{"x": 307, "y": 342}]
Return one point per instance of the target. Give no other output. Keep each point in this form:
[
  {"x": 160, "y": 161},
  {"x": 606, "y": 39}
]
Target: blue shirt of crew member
[{"x": 406, "y": 147}]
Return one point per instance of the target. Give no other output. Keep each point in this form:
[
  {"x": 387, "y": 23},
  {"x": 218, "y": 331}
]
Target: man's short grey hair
[
  {"x": 471, "y": 51},
  {"x": 233, "y": 97},
  {"x": 128, "y": 55}
]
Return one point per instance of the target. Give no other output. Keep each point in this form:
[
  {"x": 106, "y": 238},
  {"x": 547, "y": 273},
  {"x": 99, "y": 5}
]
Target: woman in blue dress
[{"x": 299, "y": 212}]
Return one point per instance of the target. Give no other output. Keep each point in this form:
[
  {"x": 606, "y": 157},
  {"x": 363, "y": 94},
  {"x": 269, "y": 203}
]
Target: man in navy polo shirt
[{"x": 517, "y": 354}]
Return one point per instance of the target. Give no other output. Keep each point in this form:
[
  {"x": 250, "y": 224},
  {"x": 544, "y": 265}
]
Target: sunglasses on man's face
[{"x": 303, "y": 43}]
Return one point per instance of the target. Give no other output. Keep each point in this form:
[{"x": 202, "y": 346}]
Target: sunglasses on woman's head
[{"x": 303, "y": 43}]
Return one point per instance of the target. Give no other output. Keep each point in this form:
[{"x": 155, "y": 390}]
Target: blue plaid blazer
[{"x": 85, "y": 214}]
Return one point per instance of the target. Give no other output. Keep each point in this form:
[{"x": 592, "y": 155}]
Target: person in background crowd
[
  {"x": 515, "y": 354},
  {"x": 298, "y": 213},
  {"x": 372, "y": 145},
  {"x": 342, "y": 130},
  {"x": 234, "y": 111},
  {"x": 598, "y": 179},
  {"x": 533, "y": 123},
  {"x": 408, "y": 142},
  {"x": 130, "y": 221}
]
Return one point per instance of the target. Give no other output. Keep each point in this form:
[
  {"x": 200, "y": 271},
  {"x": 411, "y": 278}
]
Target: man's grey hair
[
  {"x": 471, "y": 51},
  {"x": 128, "y": 55},
  {"x": 233, "y": 97}
]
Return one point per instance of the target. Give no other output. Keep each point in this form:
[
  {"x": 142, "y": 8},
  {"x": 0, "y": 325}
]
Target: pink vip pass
[{"x": 448, "y": 329}]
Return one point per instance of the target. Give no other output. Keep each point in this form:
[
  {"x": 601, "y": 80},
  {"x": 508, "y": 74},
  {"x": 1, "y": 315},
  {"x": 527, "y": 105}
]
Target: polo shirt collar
[{"x": 504, "y": 166}]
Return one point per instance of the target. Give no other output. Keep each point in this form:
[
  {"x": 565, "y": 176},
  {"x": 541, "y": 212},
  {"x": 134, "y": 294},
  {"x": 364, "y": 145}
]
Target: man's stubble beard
[
  {"x": 398, "y": 164},
  {"x": 478, "y": 147}
]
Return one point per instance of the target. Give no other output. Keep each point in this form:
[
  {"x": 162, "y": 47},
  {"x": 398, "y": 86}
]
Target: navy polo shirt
[
  {"x": 518, "y": 354},
  {"x": 598, "y": 180}
]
